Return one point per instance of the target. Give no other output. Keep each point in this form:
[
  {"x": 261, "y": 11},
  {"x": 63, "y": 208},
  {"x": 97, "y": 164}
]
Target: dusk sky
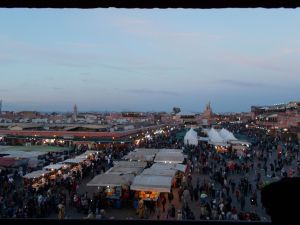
[{"x": 148, "y": 60}]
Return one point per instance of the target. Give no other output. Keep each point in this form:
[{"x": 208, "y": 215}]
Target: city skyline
[{"x": 148, "y": 60}]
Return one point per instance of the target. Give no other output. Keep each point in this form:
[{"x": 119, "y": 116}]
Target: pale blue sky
[{"x": 148, "y": 60}]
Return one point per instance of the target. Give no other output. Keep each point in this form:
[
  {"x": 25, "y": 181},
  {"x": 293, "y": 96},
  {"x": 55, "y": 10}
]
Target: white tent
[
  {"x": 74, "y": 161},
  {"x": 120, "y": 170},
  {"x": 191, "y": 137},
  {"x": 36, "y": 174},
  {"x": 153, "y": 171},
  {"x": 214, "y": 137},
  {"x": 142, "y": 155},
  {"x": 169, "y": 166},
  {"x": 240, "y": 142},
  {"x": 57, "y": 166},
  {"x": 227, "y": 135},
  {"x": 130, "y": 164},
  {"x": 104, "y": 180},
  {"x": 152, "y": 183},
  {"x": 169, "y": 157}
]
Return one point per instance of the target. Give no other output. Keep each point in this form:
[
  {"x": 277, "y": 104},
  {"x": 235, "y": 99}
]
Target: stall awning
[
  {"x": 159, "y": 172},
  {"x": 124, "y": 170},
  {"x": 152, "y": 183},
  {"x": 169, "y": 157},
  {"x": 130, "y": 164},
  {"x": 142, "y": 154},
  {"x": 57, "y": 166},
  {"x": 74, "y": 161},
  {"x": 36, "y": 174},
  {"x": 170, "y": 166},
  {"x": 104, "y": 180}
]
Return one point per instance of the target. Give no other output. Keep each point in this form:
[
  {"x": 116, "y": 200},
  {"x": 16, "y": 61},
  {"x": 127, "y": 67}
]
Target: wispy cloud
[
  {"x": 159, "y": 31},
  {"x": 152, "y": 92},
  {"x": 239, "y": 83},
  {"x": 267, "y": 63}
]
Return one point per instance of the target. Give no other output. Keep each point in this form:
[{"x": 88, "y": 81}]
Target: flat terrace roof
[{"x": 77, "y": 134}]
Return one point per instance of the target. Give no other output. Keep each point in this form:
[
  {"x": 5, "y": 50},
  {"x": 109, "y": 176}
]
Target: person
[
  {"x": 179, "y": 215},
  {"x": 243, "y": 202},
  {"x": 61, "y": 211},
  {"x": 234, "y": 213},
  {"x": 163, "y": 202},
  {"x": 90, "y": 215},
  {"x": 173, "y": 211},
  {"x": 170, "y": 196},
  {"x": 157, "y": 211},
  {"x": 141, "y": 209}
]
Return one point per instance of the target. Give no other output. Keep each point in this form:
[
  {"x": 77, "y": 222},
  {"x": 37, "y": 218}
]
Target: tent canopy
[
  {"x": 36, "y": 174},
  {"x": 191, "y": 138},
  {"x": 120, "y": 170},
  {"x": 158, "y": 172},
  {"x": 74, "y": 161},
  {"x": 142, "y": 154},
  {"x": 57, "y": 166},
  {"x": 169, "y": 166},
  {"x": 153, "y": 183},
  {"x": 214, "y": 136},
  {"x": 227, "y": 135},
  {"x": 166, "y": 156},
  {"x": 104, "y": 180},
  {"x": 130, "y": 164}
]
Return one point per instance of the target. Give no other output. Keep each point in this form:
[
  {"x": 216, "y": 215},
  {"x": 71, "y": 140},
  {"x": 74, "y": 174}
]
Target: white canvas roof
[
  {"x": 153, "y": 171},
  {"x": 36, "y": 174},
  {"x": 22, "y": 154},
  {"x": 57, "y": 166},
  {"x": 226, "y": 135},
  {"x": 130, "y": 164},
  {"x": 103, "y": 180},
  {"x": 170, "y": 166},
  {"x": 152, "y": 183},
  {"x": 124, "y": 170},
  {"x": 240, "y": 142},
  {"x": 74, "y": 161},
  {"x": 166, "y": 156},
  {"x": 214, "y": 137},
  {"x": 191, "y": 137},
  {"x": 147, "y": 151},
  {"x": 140, "y": 156},
  {"x": 82, "y": 156}
]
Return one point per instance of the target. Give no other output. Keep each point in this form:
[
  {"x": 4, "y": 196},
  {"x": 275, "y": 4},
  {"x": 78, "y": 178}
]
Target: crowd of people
[{"x": 223, "y": 186}]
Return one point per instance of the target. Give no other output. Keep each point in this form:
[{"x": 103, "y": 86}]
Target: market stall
[
  {"x": 113, "y": 186},
  {"x": 120, "y": 170},
  {"x": 152, "y": 183},
  {"x": 57, "y": 166},
  {"x": 169, "y": 156},
  {"x": 146, "y": 155},
  {"x": 129, "y": 164},
  {"x": 37, "y": 179}
]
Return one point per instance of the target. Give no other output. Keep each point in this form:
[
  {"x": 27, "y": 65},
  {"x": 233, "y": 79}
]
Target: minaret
[{"x": 75, "y": 113}]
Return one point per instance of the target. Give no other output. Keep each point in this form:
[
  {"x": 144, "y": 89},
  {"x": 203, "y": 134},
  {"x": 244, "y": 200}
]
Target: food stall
[
  {"x": 113, "y": 185},
  {"x": 148, "y": 187},
  {"x": 141, "y": 154},
  {"x": 169, "y": 156},
  {"x": 37, "y": 178}
]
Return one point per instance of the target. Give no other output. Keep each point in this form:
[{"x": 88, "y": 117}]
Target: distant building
[
  {"x": 1, "y": 106},
  {"x": 75, "y": 113},
  {"x": 277, "y": 116},
  {"x": 207, "y": 114},
  {"x": 207, "y": 118}
]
